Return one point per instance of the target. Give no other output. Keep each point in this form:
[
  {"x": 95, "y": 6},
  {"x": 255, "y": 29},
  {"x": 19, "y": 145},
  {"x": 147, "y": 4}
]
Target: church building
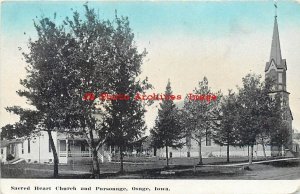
[{"x": 276, "y": 69}]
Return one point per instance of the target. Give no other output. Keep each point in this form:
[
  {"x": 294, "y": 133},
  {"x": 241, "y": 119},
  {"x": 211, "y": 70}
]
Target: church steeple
[
  {"x": 275, "y": 55},
  {"x": 276, "y": 69},
  {"x": 276, "y": 66},
  {"x": 275, "y": 48}
]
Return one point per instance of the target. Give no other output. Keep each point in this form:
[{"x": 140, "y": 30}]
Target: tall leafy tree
[
  {"x": 200, "y": 115},
  {"x": 250, "y": 112},
  {"x": 48, "y": 83},
  {"x": 92, "y": 61},
  {"x": 125, "y": 123},
  {"x": 279, "y": 134},
  {"x": 168, "y": 130},
  {"x": 24, "y": 127},
  {"x": 225, "y": 132},
  {"x": 65, "y": 63},
  {"x": 275, "y": 129},
  {"x": 268, "y": 110},
  {"x": 261, "y": 117}
]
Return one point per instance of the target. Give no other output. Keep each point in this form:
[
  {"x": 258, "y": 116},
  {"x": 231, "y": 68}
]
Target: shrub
[{"x": 10, "y": 157}]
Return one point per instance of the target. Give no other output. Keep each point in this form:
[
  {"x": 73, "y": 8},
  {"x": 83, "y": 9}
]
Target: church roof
[
  {"x": 275, "y": 54},
  {"x": 275, "y": 49}
]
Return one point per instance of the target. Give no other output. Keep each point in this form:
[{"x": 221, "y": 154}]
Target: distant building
[
  {"x": 296, "y": 144},
  {"x": 210, "y": 149},
  {"x": 9, "y": 149},
  {"x": 37, "y": 149}
]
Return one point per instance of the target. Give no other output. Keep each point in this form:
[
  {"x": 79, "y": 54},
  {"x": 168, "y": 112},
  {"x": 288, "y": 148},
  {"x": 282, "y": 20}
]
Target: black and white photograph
[{"x": 149, "y": 91}]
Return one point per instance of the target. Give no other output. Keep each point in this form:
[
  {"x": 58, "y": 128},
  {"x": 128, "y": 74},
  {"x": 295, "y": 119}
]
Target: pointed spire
[
  {"x": 275, "y": 5},
  {"x": 275, "y": 48}
]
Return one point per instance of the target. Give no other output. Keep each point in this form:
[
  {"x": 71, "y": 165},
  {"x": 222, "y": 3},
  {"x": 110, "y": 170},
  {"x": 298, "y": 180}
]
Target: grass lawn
[{"x": 150, "y": 168}]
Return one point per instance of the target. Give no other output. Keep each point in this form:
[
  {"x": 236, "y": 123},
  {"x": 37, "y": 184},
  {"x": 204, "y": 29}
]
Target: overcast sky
[{"x": 185, "y": 42}]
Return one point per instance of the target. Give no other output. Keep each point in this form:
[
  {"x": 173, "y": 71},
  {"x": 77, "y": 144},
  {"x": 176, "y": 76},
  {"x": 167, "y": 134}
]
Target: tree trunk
[
  {"x": 248, "y": 151},
  {"x": 200, "y": 153},
  {"x": 228, "y": 152},
  {"x": 263, "y": 146},
  {"x": 282, "y": 149},
  {"x": 228, "y": 136},
  {"x": 154, "y": 151},
  {"x": 167, "y": 157},
  {"x": 54, "y": 152},
  {"x": 96, "y": 168},
  {"x": 251, "y": 155},
  {"x": 121, "y": 160}
]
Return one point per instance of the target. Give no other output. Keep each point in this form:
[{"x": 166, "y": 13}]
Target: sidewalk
[{"x": 247, "y": 163}]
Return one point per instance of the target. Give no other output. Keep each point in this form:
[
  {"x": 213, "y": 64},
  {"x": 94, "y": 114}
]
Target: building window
[
  {"x": 70, "y": 145},
  {"x": 28, "y": 145},
  {"x": 82, "y": 146},
  {"x": 1, "y": 151},
  {"x": 207, "y": 140},
  {"x": 22, "y": 147},
  {"x": 62, "y": 145},
  {"x": 12, "y": 149},
  {"x": 280, "y": 78},
  {"x": 188, "y": 142}
]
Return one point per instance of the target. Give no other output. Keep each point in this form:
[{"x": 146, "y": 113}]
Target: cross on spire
[
  {"x": 275, "y": 5},
  {"x": 275, "y": 54},
  {"x": 275, "y": 49}
]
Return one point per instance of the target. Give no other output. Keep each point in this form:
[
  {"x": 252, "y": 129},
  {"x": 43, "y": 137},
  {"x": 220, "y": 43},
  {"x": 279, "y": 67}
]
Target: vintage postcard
[{"x": 150, "y": 97}]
